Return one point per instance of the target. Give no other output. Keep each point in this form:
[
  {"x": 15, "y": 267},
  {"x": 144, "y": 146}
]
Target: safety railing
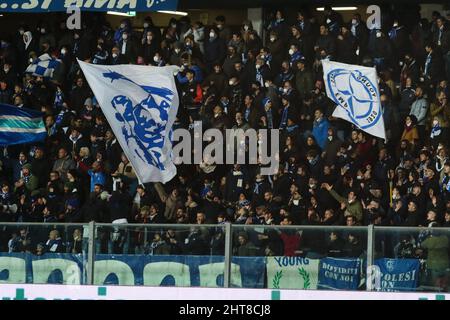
[{"x": 250, "y": 256}]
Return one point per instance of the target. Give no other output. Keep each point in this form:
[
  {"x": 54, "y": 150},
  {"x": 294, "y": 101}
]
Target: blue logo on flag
[
  {"x": 354, "y": 92},
  {"x": 144, "y": 124}
]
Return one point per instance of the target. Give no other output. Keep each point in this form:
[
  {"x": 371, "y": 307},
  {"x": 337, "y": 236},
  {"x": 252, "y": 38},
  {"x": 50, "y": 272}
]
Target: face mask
[
  {"x": 285, "y": 90},
  {"x": 312, "y": 186},
  {"x": 328, "y": 21},
  {"x": 330, "y": 138},
  {"x": 435, "y": 123},
  {"x": 291, "y": 51},
  {"x": 395, "y": 24},
  {"x": 156, "y": 58},
  {"x": 125, "y": 37},
  {"x": 263, "y": 57},
  {"x": 146, "y": 25},
  {"x": 246, "y": 28},
  {"x": 114, "y": 55},
  {"x": 408, "y": 123},
  {"x": 231, "y": 83},
  {"x": 359, "y": 178},
  {"x": 43, "y": 31},
  {"x": 272, "y": 39},
  {"x": 354, "y": 21},
  {"x": 188, "y": 44},
  {"x": 378, "y": 34},
  {"x": 21, "y": 32},
  {"x": 122, "y": 26},
  {"x": 267, "y": 84},
  {"x": 212, "y": 35},
  {"x": 219, "y": 26},
  {"x": 177, "y": 51},
  {"x": 77, "y": 36},
  {"x": 258, "y": 66},
  {"x": 174, "y": 25}
]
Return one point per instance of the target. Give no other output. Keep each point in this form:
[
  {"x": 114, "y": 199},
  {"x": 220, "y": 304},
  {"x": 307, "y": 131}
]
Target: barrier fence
[{"x": 372, "y": 258}]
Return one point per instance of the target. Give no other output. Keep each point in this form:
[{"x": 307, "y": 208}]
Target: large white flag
[
  {"x": 355, "y": 91},
  {"x": 140, "y": 104}
]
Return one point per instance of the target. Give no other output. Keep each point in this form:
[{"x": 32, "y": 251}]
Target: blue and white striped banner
[
  {"x": 19, "y": 125},
  {"x": 44, "y": 66}
]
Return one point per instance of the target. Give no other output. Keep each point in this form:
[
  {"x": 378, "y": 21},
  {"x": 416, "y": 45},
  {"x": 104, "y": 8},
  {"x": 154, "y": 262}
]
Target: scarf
[
  {"x": 435, "y": 131},
  {"x": 29, "y": 39}
]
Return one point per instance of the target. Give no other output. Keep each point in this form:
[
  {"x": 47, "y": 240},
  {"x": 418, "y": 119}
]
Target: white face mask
[
  {"x": 395, "y": 24},
  {"x": 267, "y": 84},
  {"x": 219, "y": 26},
  {"x": 42, "y": 31},
  {"x": 378, "y": 34},
  {"x": 408, "y": 123},
  {"x": 156, "y": 58},
  {"x": 354, "y": 21},
  {"x": 258, "y": 66},
  {"x": 231, "y": 82},
  {"x": 146, "y": 25},
  {"x": 114, "y": 55},
  {"x": 177, "y": 50},
  {"x": 21, "y": 32},
  {"x": 122, "y": 26},
  {"x": 174, "y": 25},
  {"x": 212, "y": 35},
  {"x": 125, "y": 37},
  {"x": 273, "y": 39},
  {"x": 246, "y": 28},
  {"x": 285, "y": 90},
  {"x": 328, "y": 20},
  {"x": 291, "y": 51},
  {"x": 63, "y": 51}
]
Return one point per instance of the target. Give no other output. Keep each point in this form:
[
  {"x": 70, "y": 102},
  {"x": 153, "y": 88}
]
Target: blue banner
[
  {"x": 87, "y": 5},
  {"x": 398, "y": 274},
  {"x": 339, "y": 274},
  {"x": 181, "y": 271}
]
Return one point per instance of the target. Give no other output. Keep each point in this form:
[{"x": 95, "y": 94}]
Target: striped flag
[
  {"x": 20, "y": 125},
  {"x": 44, "y": 66}
]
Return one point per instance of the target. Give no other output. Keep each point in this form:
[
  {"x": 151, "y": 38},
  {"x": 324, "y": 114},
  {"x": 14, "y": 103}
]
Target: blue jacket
[
  {"x": 97, "y": 178},
  {"x": 181, "y": 77},
  {"x": 320, "y": 132}
]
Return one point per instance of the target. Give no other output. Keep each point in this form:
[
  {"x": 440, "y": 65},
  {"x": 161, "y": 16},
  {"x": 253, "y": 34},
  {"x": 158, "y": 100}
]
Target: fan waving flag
[
  {"x": 355, "y": 91},
  {"x": 44, "y": 66},
  {"x": 20, "y": 125},
  {"x": 140, "y": 104}
]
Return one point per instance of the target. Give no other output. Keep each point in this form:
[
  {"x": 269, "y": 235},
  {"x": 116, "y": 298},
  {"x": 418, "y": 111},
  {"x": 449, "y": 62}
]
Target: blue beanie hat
[{"x": 266, "y": 101}]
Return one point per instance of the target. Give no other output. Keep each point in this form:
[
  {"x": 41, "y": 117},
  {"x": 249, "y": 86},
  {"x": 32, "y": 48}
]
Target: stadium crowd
[{"x": 330, "y": 174}]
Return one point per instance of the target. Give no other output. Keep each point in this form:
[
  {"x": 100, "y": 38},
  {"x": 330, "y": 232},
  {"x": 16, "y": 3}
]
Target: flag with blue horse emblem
[
  {"x": 355, "y": 91},
  {"x": 140, "y": 104},
  {"x": 44, "y": 66}
]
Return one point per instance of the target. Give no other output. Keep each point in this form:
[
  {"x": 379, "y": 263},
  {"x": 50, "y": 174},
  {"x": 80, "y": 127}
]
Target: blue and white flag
[
  {"x": 339, "y": 274},
  {"x": 44, "y": 66},
  {"x": 140, "y": 104},
  {"x": 20, "y": 125},
  {"x": 355, "y": 91},
  {"x": 398, "y": 274}
]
